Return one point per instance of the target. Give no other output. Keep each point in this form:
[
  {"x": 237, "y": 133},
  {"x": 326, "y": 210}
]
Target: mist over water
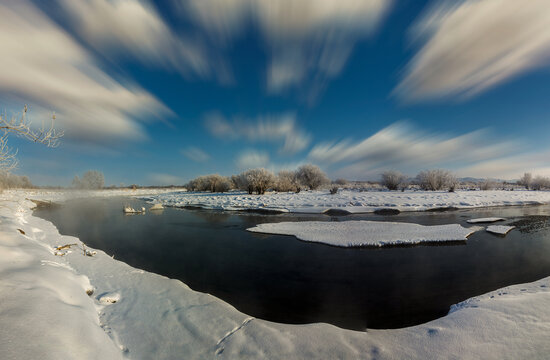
[{"x": 282, "y": 279}]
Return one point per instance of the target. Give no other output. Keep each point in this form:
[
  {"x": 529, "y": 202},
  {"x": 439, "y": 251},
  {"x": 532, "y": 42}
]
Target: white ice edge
[
  {"x": 500, "y": 229},
  {"x": 366, "y": 233},
  {"x": 46, "y": 314},
  {"x": 350, "y": 201},
  {"x": 485, "y": 220}
]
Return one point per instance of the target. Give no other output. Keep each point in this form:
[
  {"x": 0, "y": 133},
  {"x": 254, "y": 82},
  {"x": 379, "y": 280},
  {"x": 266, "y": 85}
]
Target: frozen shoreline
[
  {"x": 43, "y": 298},
  {"x": 348, "y": 201}
]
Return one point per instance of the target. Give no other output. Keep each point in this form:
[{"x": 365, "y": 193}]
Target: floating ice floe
[
  {"x": 131, "y": 210},
  {"x": 500, "y": 229},
  {"x": 366, "y": 233},
  {"x": 156, "y": 207},
  {"x": 485, "y": 220}
]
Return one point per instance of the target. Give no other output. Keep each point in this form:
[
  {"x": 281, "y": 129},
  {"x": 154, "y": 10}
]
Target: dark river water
[{"x": 282, "y": 279}]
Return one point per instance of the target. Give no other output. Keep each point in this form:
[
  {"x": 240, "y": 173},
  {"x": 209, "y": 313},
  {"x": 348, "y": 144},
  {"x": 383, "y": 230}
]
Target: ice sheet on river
[{"x": 366, "y": 233}]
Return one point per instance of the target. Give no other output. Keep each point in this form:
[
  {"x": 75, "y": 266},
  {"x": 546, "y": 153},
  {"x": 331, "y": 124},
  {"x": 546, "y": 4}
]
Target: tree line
[{"x": 260, "y": 180}]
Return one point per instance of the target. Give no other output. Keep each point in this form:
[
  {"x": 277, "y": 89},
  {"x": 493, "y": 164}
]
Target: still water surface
[{"x": 282, "y": 279}]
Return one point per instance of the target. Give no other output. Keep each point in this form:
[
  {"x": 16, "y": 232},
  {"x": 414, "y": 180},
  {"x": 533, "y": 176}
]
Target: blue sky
[{"x": 160, "y": 92}]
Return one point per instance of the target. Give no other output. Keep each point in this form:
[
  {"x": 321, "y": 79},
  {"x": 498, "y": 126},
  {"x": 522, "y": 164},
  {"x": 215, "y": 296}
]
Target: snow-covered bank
[
  {"x": 352, "y": 201},
  {"x": 366, "y": 233},
  {"x": 71, "y": 194},
  {"x": 45, "y": 313}
]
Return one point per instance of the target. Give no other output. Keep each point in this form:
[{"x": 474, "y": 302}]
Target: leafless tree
[
  {"x": 437, "y": 179},
  {"x": 526, "y": 180},
  {"x": 487, "y": 185},
  {"x": 341, "y": 181},
  {"x": 91, "y": 179},
  {"x": 392, "y": 179},
  {"x": 9, "y": 181},
  {"x": 212, "y": 183},
  {"x": 260, "y": 179},
  {"x": 540, "y": 183},
  {"x": 287, "y": 181},
  {"x": 312, "y": 176},
  {"x": 21, "y": 126}
]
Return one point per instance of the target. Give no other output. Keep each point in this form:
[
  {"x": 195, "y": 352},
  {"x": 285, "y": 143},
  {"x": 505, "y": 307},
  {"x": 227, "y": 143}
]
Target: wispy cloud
[
  {"x": 43, "y": 65},
  {"x": 196, "y": 154},
  {"x": 250, "y": 159},
  {"x": 401, "y": 146},
  {"x": 276, "y": 129},
  {"x": 473, "y": 45},
  {"x": 310, "y": 41}
]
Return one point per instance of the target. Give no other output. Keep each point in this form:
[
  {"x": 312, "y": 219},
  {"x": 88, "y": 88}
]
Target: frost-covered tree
[
  {"x": 437, "y": 179},
  {"x": 212, "y": 183},
  {"x": 12, "y": 181},
  {"x": 287, "y": 181},
  {"x": 341, "y": 181},
  {"x": 487, "y": 184},
  {"x": 311, "y": 176},
  {"x": 540, "y": 183},
  {"x": 241, "y": 182},
  {"x": 92, "y": 179},
  {"x": 260, "y": 179},
  {"x": 526, "y": 180},
  {"x": 21, "y": 126},
  {"x": 392, "y": 179}
]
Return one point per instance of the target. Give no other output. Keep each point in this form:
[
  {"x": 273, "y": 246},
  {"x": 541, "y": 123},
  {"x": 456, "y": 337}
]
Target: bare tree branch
[{"x": 21, "y": 126}]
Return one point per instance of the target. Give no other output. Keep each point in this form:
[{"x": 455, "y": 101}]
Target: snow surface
[
  {"x": 352, "y": 201},
  {"x": 45, "y": 313},
  {"x": 366, "y": 233},
  {"x": 500, "y": 229},
  {"x": 485, "y": 220}
]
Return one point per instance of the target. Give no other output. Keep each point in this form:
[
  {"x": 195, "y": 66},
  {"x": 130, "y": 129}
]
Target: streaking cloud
[
  {"x": 472, "y": 46},
  {"x": 42, "y": 65},
  {"x": 401, "y": 146},
  {"x": 250, "y": 159},
  {"x": 195, "y": 154},
  {"x": 275, "y": 129},
  {"x": 310, "y": 40},
  {"x": 119, "y": 27}
]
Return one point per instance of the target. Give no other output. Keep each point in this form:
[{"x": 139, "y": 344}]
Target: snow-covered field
[
  {"x": 46, "y": 312},
  {"x": 366, "y": 233},
  {"x": 353, "y": 201}
]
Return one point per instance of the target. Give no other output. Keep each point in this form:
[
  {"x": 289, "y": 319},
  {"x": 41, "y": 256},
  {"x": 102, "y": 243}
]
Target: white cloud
[
  {"x": 42, "y": 65},
  {"x": 474, "y": 45},
  {"x": 196, "y": 154},
  {"x": 164, "y": 179},
  {"x": 250, "y": 159},
  {"x": 133, "y": 26},
  {"x": 280, "y": 129},
  {"x": 309, "y": 40},
  {"x": 401, "y": 146}
]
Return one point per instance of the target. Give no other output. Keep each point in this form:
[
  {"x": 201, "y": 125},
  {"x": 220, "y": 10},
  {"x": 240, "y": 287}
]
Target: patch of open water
[{"x": 282, "y": 279}]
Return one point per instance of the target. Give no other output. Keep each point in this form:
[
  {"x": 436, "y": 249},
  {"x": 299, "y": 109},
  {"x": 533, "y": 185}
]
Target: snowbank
[
  {"x": 45, "y": 313},
  {"x": 366, "y": 233},
  {"x": 352, "y": 201}
]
